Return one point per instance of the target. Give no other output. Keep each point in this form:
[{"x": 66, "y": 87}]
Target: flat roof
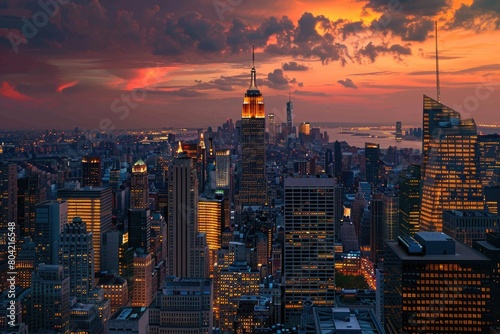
[
  {"x": 129, "y": 313},
  {"x": 462, "y": 253},
  {"x": 433, "y": 236}
]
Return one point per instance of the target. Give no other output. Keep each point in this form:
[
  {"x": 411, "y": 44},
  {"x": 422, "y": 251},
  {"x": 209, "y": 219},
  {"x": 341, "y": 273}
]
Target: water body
[{"x": 384, "y": 138}]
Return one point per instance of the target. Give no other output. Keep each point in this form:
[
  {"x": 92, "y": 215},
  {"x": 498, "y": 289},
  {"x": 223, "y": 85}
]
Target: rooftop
[{"x": 129, "y": 313}]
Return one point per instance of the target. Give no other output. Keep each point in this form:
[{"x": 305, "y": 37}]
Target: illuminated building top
[
  {"x": 253, "y": 103},
  {"x": 139, "y": 167}
]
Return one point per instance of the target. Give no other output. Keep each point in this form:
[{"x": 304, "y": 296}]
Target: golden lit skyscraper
[
  {"x": 223, "y": 168},
  {"x": 94, "y": 207},
  {"x": 253, "y": 188},
  {"x": 451, "y": 177},
  {"x": 139, "y": 190}
]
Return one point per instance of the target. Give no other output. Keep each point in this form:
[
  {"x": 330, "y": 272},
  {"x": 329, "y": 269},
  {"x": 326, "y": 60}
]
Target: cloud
[
  {"x": 480, "y": 15},
  {"x": 9, "y": 91},
  {"x": 67, "y": 85},
  {"x": 372, "y": 51},
  {"x": 308, "y": 93},
  {"x": 294, "y": 66},
  {"x": 347, "y": 83},
  {"x": 277, "y": 79},
  {"x": 409, "y": 7}
]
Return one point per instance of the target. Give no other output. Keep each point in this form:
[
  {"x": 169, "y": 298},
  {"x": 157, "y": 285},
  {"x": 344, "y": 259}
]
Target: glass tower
[{"x": 451, "y": 178}]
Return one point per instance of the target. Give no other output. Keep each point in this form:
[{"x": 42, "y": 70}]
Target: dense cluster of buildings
[{"x": 252, "y": 229}]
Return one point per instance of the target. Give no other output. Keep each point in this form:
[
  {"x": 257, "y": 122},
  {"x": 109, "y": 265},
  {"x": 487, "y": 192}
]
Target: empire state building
[{"x": 253, "y": 188}]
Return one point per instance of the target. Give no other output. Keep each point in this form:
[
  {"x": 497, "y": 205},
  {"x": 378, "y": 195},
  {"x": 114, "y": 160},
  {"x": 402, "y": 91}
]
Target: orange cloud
[
  {"x": 67, "y": 85},
  {"x": 8, "y": 91}
]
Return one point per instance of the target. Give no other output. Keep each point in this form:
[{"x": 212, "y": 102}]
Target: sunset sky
[{"x": 164, "y": 63}]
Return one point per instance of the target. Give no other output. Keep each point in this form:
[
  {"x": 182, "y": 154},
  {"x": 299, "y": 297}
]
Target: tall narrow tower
[
  {"x": 289, "y": 114},
  {"x": 253, "y": 131},
  {"x": 139, "y": 190}
]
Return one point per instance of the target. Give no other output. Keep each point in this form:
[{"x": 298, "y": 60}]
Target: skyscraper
[
  {"x": 253, "y": 190},
  {"x": 451, "y": 177},
  {"x": 50, "y": 218},
  {"x": 433, "y": 284},
  {"x": 91, "y": 171},
  {"x": 489, "y": 157},
  {"x": 77, "y": 258},
  {"x": 399, "y": 131},
  {"x": 289, "y": 116},
  {"x": 390, "y": 218},
  {"x": 50, "y": 300},
  {"x": 139, "y": 189},
  {"x": 372, "y": 165},
  {"x": 142, "y": 294},
  {"x": 309, "y": 259},
  {"x": 8, "y": 205},
  {"x": 187, "y": 248},
  {"x": 337, "y": 155},
  {"x": 223, "y": 168},
  {"x": 409, "y": 200},
  {"x": 272, "y": 127},
  {"x": 94, "y": 207},
  {"x": 30, "y": 191},
  {"x": 139, "y": 229}
]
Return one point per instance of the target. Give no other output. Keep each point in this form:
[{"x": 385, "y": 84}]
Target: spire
[
  {"x": 289, "y": 96},
  {"x": 179, "y": 148},
  {"x": 253, "y": 76},
  {"x": 437, "y": 66}
]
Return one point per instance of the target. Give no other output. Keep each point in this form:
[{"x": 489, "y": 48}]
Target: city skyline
[{"x": 106, "y": 65}]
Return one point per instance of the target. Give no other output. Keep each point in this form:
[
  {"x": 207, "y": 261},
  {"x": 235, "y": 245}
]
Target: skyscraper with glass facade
[{"x": 451, "y": 178}]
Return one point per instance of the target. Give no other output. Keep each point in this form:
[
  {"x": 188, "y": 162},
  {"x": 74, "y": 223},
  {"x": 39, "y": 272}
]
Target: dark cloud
[
  {"x": 372, "y": 51},
  {"x": 347, "y": 83},
  {"x": 294, "y": 66},
  {"x": 278, "y": 80},
  {"x": 480, "y": 15},
  {"x": 409, "y": 7}
]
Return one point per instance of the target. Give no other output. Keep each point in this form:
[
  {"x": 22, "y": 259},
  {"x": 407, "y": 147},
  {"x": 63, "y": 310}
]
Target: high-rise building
[
  {"x": 271, "y": 127},
  {"x": 377, "y": 229},
  {"x": 451, "y": 177},
  {"x": 30, "y": 192},
  {"x": 468, "y": 225},
  {"x": 409, "y": 200},
  {"x": 50, "y": 300},
  {"x": 390, "y": 204},
  {"x": 337, "y": 155},
  {"x": 94, "y": 207},
  {"x": 76, "y": 256},
  {"x": 142, "y": 292},
  {"x": 85, "y": 318},
  {"x": 139, "y": 229},
  {"x": 433, "y": 284},
  {"x": 223, "y": 168},
  {"x": 213, "y": 218},
  {"x": 25, "y": 262},
  {"x": 182, "y": 305},
  {"x": 289, "y": 116},
  {"x": 372, "y": 163},
  {"x": 117, "y": 255},
  {"x": 489, "y": 157},
  {"x": 329, "y": 168},
  {"x": 399, "y": 131},
  {"x": 309, "y": 259},
  {"x": 91, "y": 171},
  {"x": 187, "y": 249},
  {"x": 491, "y": 248},
  {"x": 434, "y": 114},
  {"x": 50, "y": 218},
  {"x": 253, "y": 189},
  {"x": 139, "y": 188},
  {"x": 8, "y": 205}
]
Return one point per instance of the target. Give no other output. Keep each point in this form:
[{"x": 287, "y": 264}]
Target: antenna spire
[
  {"x": 253, "y": 55},
  {"x": 437, "y": 66},
  {"x": 253, "y": 75}
]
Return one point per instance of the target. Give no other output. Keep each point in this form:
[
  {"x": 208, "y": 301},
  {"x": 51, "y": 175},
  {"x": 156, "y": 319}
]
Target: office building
[
  {"x": 377, "y": 229},
  {"x": 434, "y": 284},
  {"x": 142, "y": 291},
  {"x": 489, "y": 157},
  {"x": 94, "y": 207},
  {"x": 213, "y": 218},
  {"x": 399, "y": 131},
  {"x": 372, "y": 164},
  {"x": 76, "y": 256},
  {"x": 390, "y": 206},
  {"x": 117, "y": 255},
  {"x": 25, "y": 262},
  {"x": 129, "y": 320},
  {"x": 309, "y": 259},
  {"x": 491, "y": 248},
  {"x": 50, "y": 300},
  {"x": 84, "y": 318},
  {"x": 337, "y": 154},
  {"x": 182, "y": 305},
  {"x": 139, "y": 188},
  {"x": 50, "y": 218},
  {"x": 271, "y": 127},
  {"x": 451, "y": 178},
  {"x": 289, "y": 117},
  {"x": 253, "y": 189},
  {"x": 187, "y": 250},
  {"x": 115, "y": 289},
  {"x": 409, "y": 200},
  {"x": 469, "y": 225},
  {"x": 254, "y": 314},
  {"x": 341, "y": 320},
  {"x": 139, "y": 229},
  {"x": 8, "y": 205},
  {"x": 223, "y": 168},
  {"x": 30, "y": 192},
  {"x": 91, "y": 171}
]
